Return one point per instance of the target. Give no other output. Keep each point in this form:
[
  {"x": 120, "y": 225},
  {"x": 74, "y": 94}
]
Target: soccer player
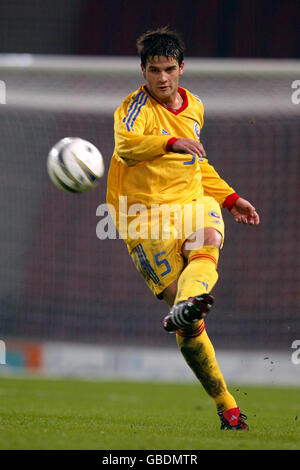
[{"x": 159, "y": 161}]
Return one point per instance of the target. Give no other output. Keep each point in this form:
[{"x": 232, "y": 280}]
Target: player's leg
[
  {"x": 192, "y": 339},
  {"x": 169, "y": 293},
  {"x": 200, "y": 275},
  {"x": 160, "y": 264},
  {"x": 195, "y": 281},
  {"x": 200, "y": 261},
  {"x": 197, "y": 278},
  {"x": 200, "y": 250},
  {"x": 199, "y": 354},
  {"x": 196, "y": 346}
]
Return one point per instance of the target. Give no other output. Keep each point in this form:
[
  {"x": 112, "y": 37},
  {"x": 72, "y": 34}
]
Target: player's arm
[
  {"x": 134, "y": 140},
  {"x": 133, "y": 146},
  {"x": 213, "y": 185},
  {"x": 133, "y": 127}
]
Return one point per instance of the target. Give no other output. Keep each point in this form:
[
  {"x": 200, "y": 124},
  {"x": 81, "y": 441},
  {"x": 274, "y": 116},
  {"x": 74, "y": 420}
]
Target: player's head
[
  {"x": 162, "y": 63},
  {"x": 160, "y": 42}
]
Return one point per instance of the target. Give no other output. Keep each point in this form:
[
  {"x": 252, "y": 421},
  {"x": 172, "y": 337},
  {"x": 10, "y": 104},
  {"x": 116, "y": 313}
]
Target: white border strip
[
  {"x": 130, "y": 65},
  {"x": 161, "y": 364},
  {"x": 2, "y": 92}
]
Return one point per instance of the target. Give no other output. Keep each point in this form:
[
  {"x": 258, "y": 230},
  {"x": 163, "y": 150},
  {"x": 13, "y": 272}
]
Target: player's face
[{"x": 162, "y": 76}]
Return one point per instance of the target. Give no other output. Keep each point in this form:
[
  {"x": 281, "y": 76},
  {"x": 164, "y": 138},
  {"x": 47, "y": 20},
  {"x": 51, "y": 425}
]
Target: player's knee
[{"x": 212, "y": 237}]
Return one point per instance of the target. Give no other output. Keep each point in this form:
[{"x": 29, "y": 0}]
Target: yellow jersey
[{"x": 143, "y": 167}]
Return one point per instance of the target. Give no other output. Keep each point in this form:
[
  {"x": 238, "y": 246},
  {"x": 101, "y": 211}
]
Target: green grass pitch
[{"x": 69, "y": 414}]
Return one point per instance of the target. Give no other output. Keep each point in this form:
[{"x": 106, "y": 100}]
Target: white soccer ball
[{"x": 75, "y": 165}]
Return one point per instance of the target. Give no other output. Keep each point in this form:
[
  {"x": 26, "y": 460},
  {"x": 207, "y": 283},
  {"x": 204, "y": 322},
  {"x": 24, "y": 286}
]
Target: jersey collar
[{"x": 183, "y": 95}]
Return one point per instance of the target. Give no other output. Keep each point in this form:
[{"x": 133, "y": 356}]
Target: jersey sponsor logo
[
  {"x": 197, "y": 129},
  {"x": 134, "y": 110},
  {"x": 214, "y": 214}
]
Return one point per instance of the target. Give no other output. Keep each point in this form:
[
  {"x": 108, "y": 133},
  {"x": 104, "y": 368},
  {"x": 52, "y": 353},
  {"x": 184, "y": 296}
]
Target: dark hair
[{"x": 160, "y": 42}]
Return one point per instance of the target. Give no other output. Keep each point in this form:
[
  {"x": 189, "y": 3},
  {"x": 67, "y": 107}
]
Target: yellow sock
[
  {"x": 199, "y": 354},
  {"x": 200, "y": 275}
]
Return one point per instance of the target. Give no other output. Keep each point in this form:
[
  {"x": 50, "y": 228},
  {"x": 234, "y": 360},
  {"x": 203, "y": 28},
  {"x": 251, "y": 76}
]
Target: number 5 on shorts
[{"x": 164, "y": 261}]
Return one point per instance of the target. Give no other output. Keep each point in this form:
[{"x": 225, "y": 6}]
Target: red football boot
[{"x": 233, "y": 419}]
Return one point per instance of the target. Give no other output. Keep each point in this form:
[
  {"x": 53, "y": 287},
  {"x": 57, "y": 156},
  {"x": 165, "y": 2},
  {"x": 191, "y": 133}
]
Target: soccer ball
[{"x": 75, "y": 165}]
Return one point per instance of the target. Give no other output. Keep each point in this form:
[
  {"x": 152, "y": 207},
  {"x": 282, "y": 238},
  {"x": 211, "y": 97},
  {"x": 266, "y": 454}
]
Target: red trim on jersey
[
  {"x": 183, "y": 95},
  {"x": 230, "y": 200},
  {"x": 170, "y": 143}
]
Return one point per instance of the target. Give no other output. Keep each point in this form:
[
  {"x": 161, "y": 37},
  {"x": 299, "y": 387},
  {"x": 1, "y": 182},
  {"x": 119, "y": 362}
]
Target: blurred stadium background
[{"x": 71, "y": 303}]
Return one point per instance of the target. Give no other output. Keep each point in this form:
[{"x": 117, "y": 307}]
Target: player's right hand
[{"x": 189, "y": 146}]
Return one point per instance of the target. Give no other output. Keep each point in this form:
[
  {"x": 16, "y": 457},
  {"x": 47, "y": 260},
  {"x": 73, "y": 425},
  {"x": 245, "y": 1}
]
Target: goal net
[{"x": 58, "y": 281}]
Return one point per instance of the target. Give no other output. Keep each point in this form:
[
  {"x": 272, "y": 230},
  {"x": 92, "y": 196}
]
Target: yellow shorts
[{"x": 160, "y": 261}]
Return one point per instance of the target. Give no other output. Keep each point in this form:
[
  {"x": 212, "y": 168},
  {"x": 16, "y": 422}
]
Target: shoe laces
[
  {"x": 240, "y": 422},
  {"x": 242, "y": 418}
]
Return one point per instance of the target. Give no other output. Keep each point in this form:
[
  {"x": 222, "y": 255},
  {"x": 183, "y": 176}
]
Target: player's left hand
[{"x": 244, "y": 212}]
